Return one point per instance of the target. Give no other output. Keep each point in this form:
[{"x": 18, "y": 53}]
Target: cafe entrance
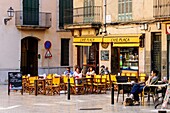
[
  {"x": 88, "y": 56},
  {"x": 29, "y": 56}
]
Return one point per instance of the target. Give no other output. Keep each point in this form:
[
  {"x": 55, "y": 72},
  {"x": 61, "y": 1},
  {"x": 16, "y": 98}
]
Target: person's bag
[{"x": 128, "y": 102}]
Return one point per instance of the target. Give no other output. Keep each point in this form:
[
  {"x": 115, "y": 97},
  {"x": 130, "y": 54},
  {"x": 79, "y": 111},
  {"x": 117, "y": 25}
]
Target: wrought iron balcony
[
  {"x": 161, "y": 8},
  {"x": 83, "y": 15},
  {"x": 32, "y": 20}
]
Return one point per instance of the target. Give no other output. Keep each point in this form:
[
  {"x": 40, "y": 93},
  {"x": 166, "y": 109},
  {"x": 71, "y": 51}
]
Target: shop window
[
  {"x": 129, "y": 59},
  {"x": 65, "y": 52}
]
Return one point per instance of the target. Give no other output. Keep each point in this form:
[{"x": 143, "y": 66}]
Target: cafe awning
[
  {"x": 82, "y": 44},
  {"x": 125, "y": 38},
  {"x": 126, "y": 45},
  {"x": 87, "y": 39}
]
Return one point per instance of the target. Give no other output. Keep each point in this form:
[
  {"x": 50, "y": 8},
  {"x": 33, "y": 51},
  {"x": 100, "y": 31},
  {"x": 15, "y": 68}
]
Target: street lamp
[{"x": 10, "y": 13}]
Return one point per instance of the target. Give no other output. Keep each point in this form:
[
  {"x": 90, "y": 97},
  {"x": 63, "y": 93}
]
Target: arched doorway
[{"x": 29, "y": 56}]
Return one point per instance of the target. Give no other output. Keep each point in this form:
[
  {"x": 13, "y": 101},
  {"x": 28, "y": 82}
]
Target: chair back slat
[
  {"x": 113, "y": 78},
  {"x": 71, "y": 80},
  {"x": 32, "y": 79},
  {"x": 56, "y": 80}
]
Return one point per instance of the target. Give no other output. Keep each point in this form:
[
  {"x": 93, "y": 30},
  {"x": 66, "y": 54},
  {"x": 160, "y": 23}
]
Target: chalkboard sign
[
  {"x": 104, "y": 55},
  {"x": 14, "y": 81}
]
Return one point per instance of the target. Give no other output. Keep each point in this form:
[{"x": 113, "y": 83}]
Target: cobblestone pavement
[{"x": 17, "y": 103}]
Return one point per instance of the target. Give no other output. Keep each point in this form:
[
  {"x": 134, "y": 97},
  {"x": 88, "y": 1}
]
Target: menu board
[
  {"x": 14, "y": 81},
  {"x": 104, "y": 55}
]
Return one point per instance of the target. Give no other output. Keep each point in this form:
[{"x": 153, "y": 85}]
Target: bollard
[
  {"x": 68, "y": 89},
  {"x": 112, "y": 94}
]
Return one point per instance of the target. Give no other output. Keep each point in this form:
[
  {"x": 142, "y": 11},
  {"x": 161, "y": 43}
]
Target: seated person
[
  {"x": 103, "y": 70},
  {"x": 77, "y": 74},
  {"x": 138, "y": 88},
  {"x": 68, "y": 72},
  {"x": 90, "y": 71}
]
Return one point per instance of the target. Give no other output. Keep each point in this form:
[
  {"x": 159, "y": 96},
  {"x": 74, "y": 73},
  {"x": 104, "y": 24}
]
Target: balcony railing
[
  {"x": 32, "y": 20},
  {"x": 83, "y": 15},
  {"x": 161, "y": 8}
]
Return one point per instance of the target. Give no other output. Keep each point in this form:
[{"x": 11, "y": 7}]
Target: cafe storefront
[
  {"x": 120, "y": 53},
  {"x": 87, "y": 52}
]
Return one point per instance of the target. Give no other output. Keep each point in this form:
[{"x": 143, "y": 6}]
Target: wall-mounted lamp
[{"x": 10, "y": 13}]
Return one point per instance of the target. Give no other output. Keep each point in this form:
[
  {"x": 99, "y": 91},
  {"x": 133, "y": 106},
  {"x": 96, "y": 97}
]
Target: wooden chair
[
  {"x": 134, "y": 74},
  {"x": 31, "y": 82},
  {"x": 56, "y": 85},
  {"x": 65, "y": 82},
  {"x": 25, "y": 83},
  {"x": 77, "y": 85},
  {"x": 142, "y": 77},
  {"x": 53, "y": 86},
  {"x": 128, "y": 74},
  {"x": 89, "y": 84},
  {"x": 108, "y": 81},
  {"x": 99, "y": 83},
  {"x": 123, "y": 74}
]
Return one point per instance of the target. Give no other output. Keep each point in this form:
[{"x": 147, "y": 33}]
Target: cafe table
[{"x": 124, "y": 84}]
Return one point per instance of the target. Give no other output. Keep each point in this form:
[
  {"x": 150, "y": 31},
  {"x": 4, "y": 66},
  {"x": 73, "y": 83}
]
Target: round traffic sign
[{"x": 47, "y": 45}]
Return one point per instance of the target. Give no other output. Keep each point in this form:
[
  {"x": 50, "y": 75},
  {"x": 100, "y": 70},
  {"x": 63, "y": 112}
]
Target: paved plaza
[{"x": 91, "y": 103}]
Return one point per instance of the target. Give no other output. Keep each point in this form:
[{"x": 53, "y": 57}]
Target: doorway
[
  {"x": 156, "y": 52},
  {"x": 88, "y": 55},
  {"x": 115, "y": 68},
  {"x": 29, "y": 56}
]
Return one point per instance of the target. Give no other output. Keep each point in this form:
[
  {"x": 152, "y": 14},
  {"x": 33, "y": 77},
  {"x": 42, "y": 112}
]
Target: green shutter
[{"x": 31, "y": 12}]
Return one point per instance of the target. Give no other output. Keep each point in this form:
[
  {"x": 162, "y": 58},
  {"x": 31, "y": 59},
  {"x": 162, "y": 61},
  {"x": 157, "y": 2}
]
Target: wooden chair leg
[{"x": 118, "y": 96}]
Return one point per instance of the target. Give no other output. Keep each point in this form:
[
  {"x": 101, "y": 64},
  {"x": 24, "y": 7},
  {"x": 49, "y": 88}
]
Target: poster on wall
[{"x": 104, "y": 55}]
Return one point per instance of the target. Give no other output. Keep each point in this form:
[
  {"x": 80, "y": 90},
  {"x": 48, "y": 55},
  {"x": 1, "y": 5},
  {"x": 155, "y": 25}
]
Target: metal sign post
[
  {"x": 48, "y": 54},
  {"x": 112, "y": 94}
]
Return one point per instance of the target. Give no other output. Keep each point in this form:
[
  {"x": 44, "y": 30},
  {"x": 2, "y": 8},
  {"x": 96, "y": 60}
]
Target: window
[
  {"x": 65, "y": 10},
  {"x": 124, "y": 10},
  {"x": 65, "y": 52},
  {"x": 88, "y": 10},
  {"x": 31, "y": 12}
]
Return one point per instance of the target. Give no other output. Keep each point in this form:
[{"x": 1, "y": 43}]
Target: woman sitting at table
[
  {"x": 138, "y": 88},
  {"x": 90, "y": 71},
  {"x": 77, "y": 73}
]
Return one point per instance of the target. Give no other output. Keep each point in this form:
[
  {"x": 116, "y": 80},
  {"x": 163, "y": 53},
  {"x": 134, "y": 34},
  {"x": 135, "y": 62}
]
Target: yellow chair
[
  {"x": 25, "y": 83},
  {"x": 77, "y": 85},
  {"x": 31, "y": 81},
  {"x": 134, "y": 74},
  {"x": 100, "y": 83},
  {"x": 127, "y": 74},
  {"x": 123, "y": 74},
  {"x": 142, "y": 77},
  {"x": 89, "y": 84},
  {"x": 56, "y": 85},
  {"x": 49, "y": 76}
]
